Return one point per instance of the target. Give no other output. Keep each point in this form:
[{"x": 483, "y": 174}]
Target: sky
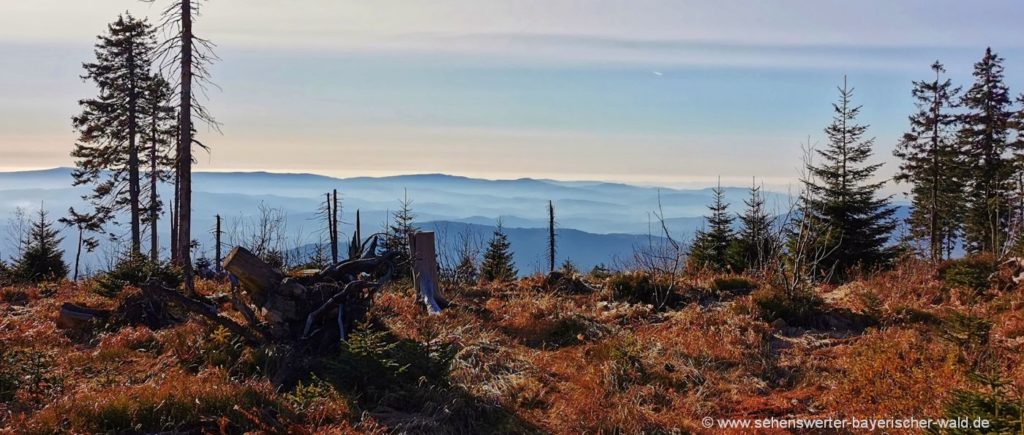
[{"x": 674, "y": 93}]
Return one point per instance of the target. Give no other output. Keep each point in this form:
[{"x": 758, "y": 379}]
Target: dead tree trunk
[
  {"x": 334, "y": 227},
  {"x": 551, "y": 236},
  {"x": 184, "y": 235},
  {"x": 425, "y": 273},
  {"x": 216, "y": 250}
]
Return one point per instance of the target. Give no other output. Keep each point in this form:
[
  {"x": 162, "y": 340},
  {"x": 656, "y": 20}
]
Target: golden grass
[{"x": 516, "y": 357}]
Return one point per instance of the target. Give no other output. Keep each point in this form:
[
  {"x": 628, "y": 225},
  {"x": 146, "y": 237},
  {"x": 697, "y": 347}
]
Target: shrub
[
  {"x": 27, "y": 373},
  {"x": 797, "y": 308},
  {"x": 971, "y": 273},
  {"x": 8, "y": 377},
  {"x": 375, "y": 362},
  {"x": 641, "y": 288},
  {"x": 600, "y": 272},
  {"x": 1003, "y": 413},
  {"x": 969, "y": 333},
  {"x": 134, "y": 271},
  {"x": 732, "y": 284},
  {"x": 6, "y": 275},
  {"x": 318, "y": 402},
  {"x": 893, "y": 372},
  {"x": 623, "y": 363}
]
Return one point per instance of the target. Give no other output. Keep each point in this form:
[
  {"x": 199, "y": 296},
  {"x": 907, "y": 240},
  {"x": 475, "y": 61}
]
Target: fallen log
[
  {"x": 154, "y": 289},
  {"x": 350, "y": 270},
  {"x": 74, "y": 316}
]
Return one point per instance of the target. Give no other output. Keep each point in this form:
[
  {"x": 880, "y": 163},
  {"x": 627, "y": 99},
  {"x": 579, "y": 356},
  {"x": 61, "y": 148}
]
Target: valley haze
[{"x": 597, "y": 222}]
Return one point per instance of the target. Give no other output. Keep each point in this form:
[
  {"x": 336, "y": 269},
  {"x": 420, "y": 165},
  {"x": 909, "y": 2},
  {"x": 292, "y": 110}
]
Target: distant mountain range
[{"x": 597, "y": 221}]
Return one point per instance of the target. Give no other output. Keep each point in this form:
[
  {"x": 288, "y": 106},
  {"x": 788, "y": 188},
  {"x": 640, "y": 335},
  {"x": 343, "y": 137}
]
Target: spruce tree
[
  {"x": 840, "y": 195},
  {"x": 756, "y": 242},
  {"x": 710, "y": 248},
  {"x": 108, "y": 150},
  {"x": 41, "y": 259},
  {"x": 396, "y": 237},
  {"x": 931, "y": 163},
  {"x": 498, "y": 263},
  {"x": 985, "y": 137}
]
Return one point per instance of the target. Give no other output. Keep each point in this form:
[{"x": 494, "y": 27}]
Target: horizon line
[{"x": 696, "y": 182}]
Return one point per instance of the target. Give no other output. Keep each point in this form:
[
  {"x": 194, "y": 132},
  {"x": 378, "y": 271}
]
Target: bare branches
[
  {"x": 203, "y": 56},
  {"x": 663, "y": 258}
]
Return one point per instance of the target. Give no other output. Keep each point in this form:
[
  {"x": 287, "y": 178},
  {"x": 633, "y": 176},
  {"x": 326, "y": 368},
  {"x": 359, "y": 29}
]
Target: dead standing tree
[
  {"x": 186, "y": 57},
  {"x": 551, "y": 237}
]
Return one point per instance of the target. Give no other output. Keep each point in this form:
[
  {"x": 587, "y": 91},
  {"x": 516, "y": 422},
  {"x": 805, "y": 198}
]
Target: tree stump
[
  {"x": 425, "y": 272},
  {"x": 258, "y": 279}
]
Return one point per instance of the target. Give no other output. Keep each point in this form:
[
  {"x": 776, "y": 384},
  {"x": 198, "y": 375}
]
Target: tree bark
[
  {"x": 78, "y": 252},
  {"x": 133, "y": 155},
  {"x": 216, "y": 250},
  {"x": 334, "y": 228},
  {"x": 185, "y": 148},
  {"x": 257, "y": 277},
  {"x": 154, "y": 240}
]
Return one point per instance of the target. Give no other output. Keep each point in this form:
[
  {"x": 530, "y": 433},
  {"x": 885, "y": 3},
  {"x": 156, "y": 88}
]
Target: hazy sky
[{"x": 669, "y": 92}]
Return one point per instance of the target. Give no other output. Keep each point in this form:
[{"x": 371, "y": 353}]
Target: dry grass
[{"x": 520, "y": 357}]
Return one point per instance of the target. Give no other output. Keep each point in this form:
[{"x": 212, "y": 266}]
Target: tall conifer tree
[
  {"x": 108, "y": 150},
  {"x": 931, "y": 163},
  {"x": 985, "y": 137},
  {"x": 840, "y": 194}
]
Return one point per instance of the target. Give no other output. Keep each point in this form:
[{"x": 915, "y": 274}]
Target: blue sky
[{"x": 666, "y": 92}]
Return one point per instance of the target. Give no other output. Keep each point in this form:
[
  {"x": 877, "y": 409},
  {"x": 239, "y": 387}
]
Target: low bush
[
  {"x": 599, "y": 272},
  {"x": 796, "y": 308},
  {"x": 893, "y": 372},
  {"x": 622, "y": 361},
  {"x": 733, "y": 284},
  {"x": 1004, "y": 413},
  {"x": 641, "y": 288},
  {"x": 8, "y": 376},
  {"x": 319, "y": 402},
  {"x": 970, "y": 273},
  {"x": 134, "y": 271}
]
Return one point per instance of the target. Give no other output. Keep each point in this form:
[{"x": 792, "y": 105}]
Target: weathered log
[
  {"x": 258, "y": 278},
  {"x": 349, "y": 270},
  {"x": 156, "y": 290},
  {"x": 77, "y": 317}
]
